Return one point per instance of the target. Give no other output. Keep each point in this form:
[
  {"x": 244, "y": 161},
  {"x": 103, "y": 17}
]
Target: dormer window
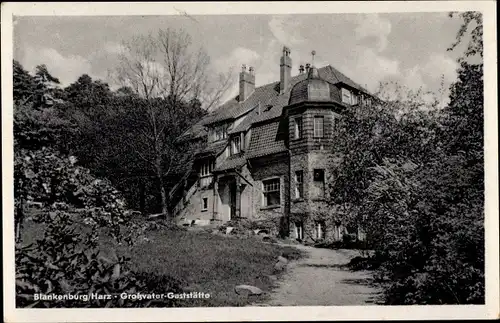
[
  {"x": 366, "y": 100},
  {"x": 236, "y": 145},
  {"x": 346, "y": 96},
  {"x": 354, "y": 99},
  {"x": 219, "y": 132},
  {"x": 206, "y": 168},
  {"x": 349, "y": 97}
]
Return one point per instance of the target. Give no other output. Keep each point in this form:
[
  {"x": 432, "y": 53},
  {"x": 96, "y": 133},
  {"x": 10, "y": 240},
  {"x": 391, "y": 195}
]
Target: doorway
[
  {"x": 299, "y": 230},
  {"x": 232, "y": 200}
]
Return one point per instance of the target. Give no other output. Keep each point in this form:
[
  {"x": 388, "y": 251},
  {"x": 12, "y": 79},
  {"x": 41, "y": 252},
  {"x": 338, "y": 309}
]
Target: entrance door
[
  {"x": 232, "y": 200},
  {"x": 299, "y": 230}
]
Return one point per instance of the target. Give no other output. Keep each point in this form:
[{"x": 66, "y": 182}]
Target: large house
[{"x": 265, "y": 154}]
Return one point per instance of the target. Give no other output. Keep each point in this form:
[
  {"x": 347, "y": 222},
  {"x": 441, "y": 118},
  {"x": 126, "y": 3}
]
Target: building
[{"x": 266, "y": 154}]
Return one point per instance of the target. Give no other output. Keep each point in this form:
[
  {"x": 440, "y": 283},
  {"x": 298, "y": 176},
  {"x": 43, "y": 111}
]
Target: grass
[{"x": 201, "y": 261}]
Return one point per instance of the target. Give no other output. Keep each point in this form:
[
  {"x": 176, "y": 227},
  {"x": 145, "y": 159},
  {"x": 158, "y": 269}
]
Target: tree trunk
[
  {"x": 142, "y": 196},
  {"x": 163, "y": 191},
  {"x": 19, "y": 219}
]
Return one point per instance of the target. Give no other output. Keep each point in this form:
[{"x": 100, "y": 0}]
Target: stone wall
[
  {"x": 307, "y": 142},
  {"x": 314, "y": 208},
  {"x": 268, "y": 168}
]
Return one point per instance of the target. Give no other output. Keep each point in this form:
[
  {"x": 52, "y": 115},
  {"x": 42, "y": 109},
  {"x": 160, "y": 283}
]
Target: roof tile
[
  {"x": 213, "y": 149},
  {"x": 271, "y": 103},
  {"x": 268, "y": 95},
  {"x": 265, "y": 141},
  {"x": 232, "y": 162},
  {"x": 246, "y": 123}
]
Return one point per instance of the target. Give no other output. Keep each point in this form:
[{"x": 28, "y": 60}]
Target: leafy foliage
[
  {"x": 171, "y": 82},
  {"x": 47, "y": 177},
  {"x": 475, "y": 45},
  {"x": 74, "y": 207},
  {"x": 413, "y": 178},
  {"x": 66, "y": 262},
  {"x": 23, "y": 84}
]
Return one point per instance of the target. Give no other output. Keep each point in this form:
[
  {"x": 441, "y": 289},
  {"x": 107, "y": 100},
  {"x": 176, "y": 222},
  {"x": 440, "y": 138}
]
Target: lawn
[{"x": 202, "y": 262}]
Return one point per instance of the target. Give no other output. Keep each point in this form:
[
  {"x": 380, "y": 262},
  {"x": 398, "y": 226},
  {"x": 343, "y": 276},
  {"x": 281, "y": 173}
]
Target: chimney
[
  {"x": 307, "y": 67},
  {"x": 285, "y": 70},
  {"x": 301, "y": 69},
  {"x": 247, "y": 83}
]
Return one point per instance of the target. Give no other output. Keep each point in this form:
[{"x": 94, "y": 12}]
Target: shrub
[{"x": 66, "y": 260}]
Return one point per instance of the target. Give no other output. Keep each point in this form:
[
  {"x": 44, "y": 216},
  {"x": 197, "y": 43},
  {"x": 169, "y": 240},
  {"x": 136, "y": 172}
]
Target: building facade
[{"x": 267, "y": 152}]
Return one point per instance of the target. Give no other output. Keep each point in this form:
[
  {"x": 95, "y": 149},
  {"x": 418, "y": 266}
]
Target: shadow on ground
[{"x": 334, "y": 266}]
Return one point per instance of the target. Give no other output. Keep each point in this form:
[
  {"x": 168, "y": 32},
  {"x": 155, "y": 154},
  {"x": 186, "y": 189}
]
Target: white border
[{"x": 490, "y": 310}]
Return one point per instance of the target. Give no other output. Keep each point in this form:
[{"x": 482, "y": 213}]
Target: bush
[
  {"x": 349, "y": 238},
  {"x": 66, "y": 260}
]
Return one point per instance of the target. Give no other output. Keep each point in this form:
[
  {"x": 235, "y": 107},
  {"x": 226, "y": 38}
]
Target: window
[
  {"x": 204, "y": 204},
  {"x": 354, "y": 99},
  {"x": 365, "y": 100},
  {"x": 319, "y": 130},
  {"x": 299, "y": 184},
  {"x": 320, "y": 229},
  {"x": 298, "y": 128},
  {"x": 346, "y": 96},
  {"x": 206, "y": 168},
  {"x": 235, "y": 145},
  {"x": 319, "y": 183},
  {"x": 219, "y": 132},
  {"x": 272, "y": 192}
]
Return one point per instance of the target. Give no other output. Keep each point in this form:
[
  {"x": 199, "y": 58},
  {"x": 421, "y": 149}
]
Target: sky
[{"x": 409, "y": 48}]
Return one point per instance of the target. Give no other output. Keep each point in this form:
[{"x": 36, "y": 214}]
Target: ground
[
  {"x": 202, "y": 262},
  {"x": 320, "y": 279},
  {"x": 216, "y": 263}
]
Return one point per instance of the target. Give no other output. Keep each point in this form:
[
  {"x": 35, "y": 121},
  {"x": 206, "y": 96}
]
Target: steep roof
[
  {"x": 264, "y": 106},
  {"x": 332, "y": 74},
  {"x": 232, "y": 109},
  {"x": 198, "y": 130},
  {"x": 265, "y": 140},
  {"x": 268, "y": 96},
  {"x": 247, "y": 122},
  {"x": 232, "y": 162},
  {"x": 212, "y": 149}
]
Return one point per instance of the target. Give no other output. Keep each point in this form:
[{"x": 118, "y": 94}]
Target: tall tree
[
  {"x": 47, "y": 88},
  {"x": 23, "y": 84},
  {"x": 414, "y": 177},
  {"x": 166, "y": 65},
  {"x": 88, "y": 93},
  {"x": 172, "y": 79}
]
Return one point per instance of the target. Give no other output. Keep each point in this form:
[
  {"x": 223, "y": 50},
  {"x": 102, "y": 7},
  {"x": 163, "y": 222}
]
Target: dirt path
[{"x": 319, "y": 280}]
